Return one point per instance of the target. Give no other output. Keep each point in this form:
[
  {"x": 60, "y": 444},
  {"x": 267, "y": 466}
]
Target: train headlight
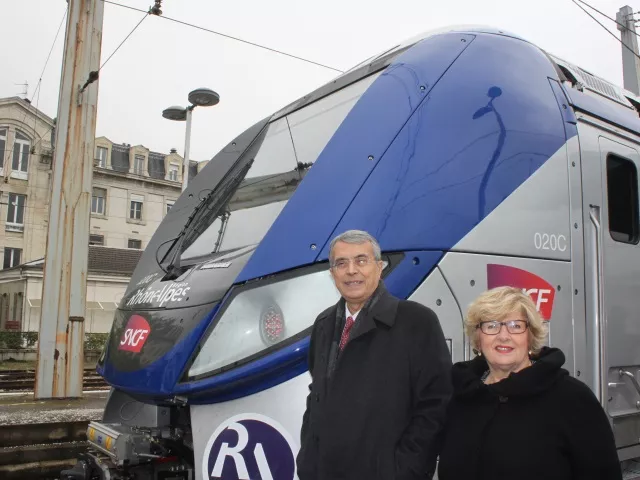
[
  {"x": 259, "y": 319},
  {"x": 272, "y": 326}
]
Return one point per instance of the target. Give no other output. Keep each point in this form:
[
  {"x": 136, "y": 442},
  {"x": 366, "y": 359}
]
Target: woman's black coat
[{"x": 539, "y": 423}]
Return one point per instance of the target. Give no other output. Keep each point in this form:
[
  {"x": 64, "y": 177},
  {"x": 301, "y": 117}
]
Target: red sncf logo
[
  {"x": 541, "y": 292},
  {"x": 135, "y": 334}
]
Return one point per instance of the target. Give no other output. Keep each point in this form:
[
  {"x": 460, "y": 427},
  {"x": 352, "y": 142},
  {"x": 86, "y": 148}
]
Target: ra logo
[{"x": 249, "y": 447}]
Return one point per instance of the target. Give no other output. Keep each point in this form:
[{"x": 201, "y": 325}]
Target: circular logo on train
[{"x": 249, "y": 446}]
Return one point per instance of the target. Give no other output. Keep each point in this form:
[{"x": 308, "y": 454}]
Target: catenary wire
[
  {"x": 605, "y": 28},
  {"x": 37, "y": 89},
  {"x": 607, "y": 16},
  {"x": 232, "y": 38}
]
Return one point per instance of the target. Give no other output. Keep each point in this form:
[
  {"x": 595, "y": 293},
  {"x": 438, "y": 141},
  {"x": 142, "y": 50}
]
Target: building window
[
  {"x": 169, "y": 205},
  {"x": 99, "y": 201},
  {"x": 136, "y": 210},
  {"x": 133, "y": 243},
  {"x": 101, "y": 157},
  {"x": 135, "y": 207},
  {"x": 96, "y": 239},
  {"x": 11, "y": 257},
  {"x": 21, "y": 146},
  {"x": 15, "y": 212},
  {"x": 173, "y": 172},
  {"x": 3, "y": 145},
  {"x": 622, "y": 193},
  {"x": 138, "y": 165}
]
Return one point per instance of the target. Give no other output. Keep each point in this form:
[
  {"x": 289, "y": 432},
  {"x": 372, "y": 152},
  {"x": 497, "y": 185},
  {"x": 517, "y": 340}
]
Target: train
[{"x": 473, "y": 156}]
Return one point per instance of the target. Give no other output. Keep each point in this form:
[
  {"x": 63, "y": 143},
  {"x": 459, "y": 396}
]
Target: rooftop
[{"x": 102, "y": 261}]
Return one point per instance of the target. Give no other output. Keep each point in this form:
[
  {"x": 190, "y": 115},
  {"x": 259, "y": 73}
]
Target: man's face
[{"x": 355, "y": 271}]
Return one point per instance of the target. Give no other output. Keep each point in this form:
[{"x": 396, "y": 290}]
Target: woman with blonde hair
[{"x": 515, "y": 412}]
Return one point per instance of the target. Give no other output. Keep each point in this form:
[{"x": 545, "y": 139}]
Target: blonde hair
[{"x": 496, "y": 304}]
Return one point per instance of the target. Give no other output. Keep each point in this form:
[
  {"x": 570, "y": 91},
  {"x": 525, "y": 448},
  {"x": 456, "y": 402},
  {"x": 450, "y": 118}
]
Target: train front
[{"x": 207, "y": 354}]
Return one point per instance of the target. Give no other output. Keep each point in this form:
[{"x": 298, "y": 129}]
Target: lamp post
[{"x": 201, "y": 97}]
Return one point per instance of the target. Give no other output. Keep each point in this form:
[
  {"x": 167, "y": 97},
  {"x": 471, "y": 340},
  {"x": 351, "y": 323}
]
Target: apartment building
[{"x": 133, "y": 188}]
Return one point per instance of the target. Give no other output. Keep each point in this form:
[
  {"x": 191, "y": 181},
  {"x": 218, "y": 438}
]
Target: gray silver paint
[
  {"x": 436, "y": 294},
  {"x": 612, "y": 284},
  {"x": 125, "y": 410},
  {"x": 537, "y": 209},
  {"x": 466, "y": 274}
]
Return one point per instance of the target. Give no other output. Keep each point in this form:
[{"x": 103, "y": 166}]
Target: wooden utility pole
[{"x": 61, "y": 337}]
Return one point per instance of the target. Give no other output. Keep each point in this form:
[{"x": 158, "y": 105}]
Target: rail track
[
  {"x": 24, "y": 381},
  {"x": 40, "y": 450}
]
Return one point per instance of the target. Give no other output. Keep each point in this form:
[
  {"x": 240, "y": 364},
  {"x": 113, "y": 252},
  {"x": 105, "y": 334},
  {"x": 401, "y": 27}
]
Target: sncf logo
[
  {"x": 135, "y": 334},
  {"x": 537, "y": 288}
]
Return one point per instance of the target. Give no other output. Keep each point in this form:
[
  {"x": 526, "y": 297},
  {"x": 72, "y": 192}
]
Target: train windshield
[{"x": 246, "y": 203}]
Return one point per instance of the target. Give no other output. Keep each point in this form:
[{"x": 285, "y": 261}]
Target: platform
[{"x": 20, "y": 408}]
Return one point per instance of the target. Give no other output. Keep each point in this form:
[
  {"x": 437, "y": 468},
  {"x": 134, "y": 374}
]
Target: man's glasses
[
  {"x": 360, "y": 261},
  {"x": 493, "y": 327}
]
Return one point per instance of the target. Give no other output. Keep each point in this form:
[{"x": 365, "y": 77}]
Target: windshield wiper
[
  {"x": 172, "y": 270},
  {"x": 222, "y": 197}
]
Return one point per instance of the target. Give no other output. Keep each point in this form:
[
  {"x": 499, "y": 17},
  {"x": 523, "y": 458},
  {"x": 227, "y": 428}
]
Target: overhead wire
[
  {"x": 123, "y": 41},
  {"x": 94, "y": 75},
  {"x": 606, "y": 29},
  {"x": 39, "y": 84},
  {"x": 607, "y": 16},
  {"x": 232, "y": 38},
  {"x": 38, "y": 89}
]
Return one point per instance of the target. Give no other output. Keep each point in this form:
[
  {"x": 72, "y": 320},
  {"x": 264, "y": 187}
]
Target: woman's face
[{"x": 505, "y": 347}]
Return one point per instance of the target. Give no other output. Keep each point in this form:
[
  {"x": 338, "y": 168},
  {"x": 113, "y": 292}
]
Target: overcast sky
[{"x": 162, "y": 61}]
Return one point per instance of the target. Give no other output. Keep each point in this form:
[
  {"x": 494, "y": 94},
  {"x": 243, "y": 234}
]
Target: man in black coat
[{"x": 380, "y": 371}]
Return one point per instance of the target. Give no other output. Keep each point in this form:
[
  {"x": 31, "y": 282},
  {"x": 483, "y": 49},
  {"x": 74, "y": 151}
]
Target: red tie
[{"x": 345, "y": 333}]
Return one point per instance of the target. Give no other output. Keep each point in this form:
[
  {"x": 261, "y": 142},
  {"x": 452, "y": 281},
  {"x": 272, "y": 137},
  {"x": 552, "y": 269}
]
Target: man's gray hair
[{"x": 357, "y": 237}]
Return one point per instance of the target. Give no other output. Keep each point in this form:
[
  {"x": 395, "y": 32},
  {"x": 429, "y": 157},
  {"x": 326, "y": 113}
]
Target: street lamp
[{"x": 201, "y": 97}]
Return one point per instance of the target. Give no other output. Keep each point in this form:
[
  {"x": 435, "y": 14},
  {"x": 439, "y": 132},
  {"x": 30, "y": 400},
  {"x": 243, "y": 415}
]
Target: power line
[
  {"x": 125, "y": 39},
  {"x": 607, "y": 30},
  {"x": 37, "y": 89},
  {"x": 607, "y": 16},
  {"x": 232, "y": 38},
  {"x": 35, "y": 119},
  {"x": 93, "y": 76},
  {"x": 50, "y": 51}
]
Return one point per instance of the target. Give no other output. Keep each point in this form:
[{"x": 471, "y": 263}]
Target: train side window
[{"x": 622, "y": 193}]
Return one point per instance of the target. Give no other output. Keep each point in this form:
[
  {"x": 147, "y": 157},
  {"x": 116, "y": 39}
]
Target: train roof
[{"x": 586, "y": 92}]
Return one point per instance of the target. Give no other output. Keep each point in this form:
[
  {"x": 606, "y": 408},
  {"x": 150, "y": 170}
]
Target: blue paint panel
[
  {"x": 159, "y": 378},
  {"x": 316, "y": 207},
  {"x": 410, "y": 273},
  {"x": 250, "y": 376},
  {"x": 571, "y": 121},
  {"x": 568, "y": 114},
  {"x": 606, "y": 110},
  {"x": 489, "y": 124},
  {"x": 276, "y": 378}
]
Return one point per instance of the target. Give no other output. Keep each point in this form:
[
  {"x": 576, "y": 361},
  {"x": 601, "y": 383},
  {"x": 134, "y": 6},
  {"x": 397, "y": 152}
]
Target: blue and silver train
[{"x": 474, "y": 157}]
